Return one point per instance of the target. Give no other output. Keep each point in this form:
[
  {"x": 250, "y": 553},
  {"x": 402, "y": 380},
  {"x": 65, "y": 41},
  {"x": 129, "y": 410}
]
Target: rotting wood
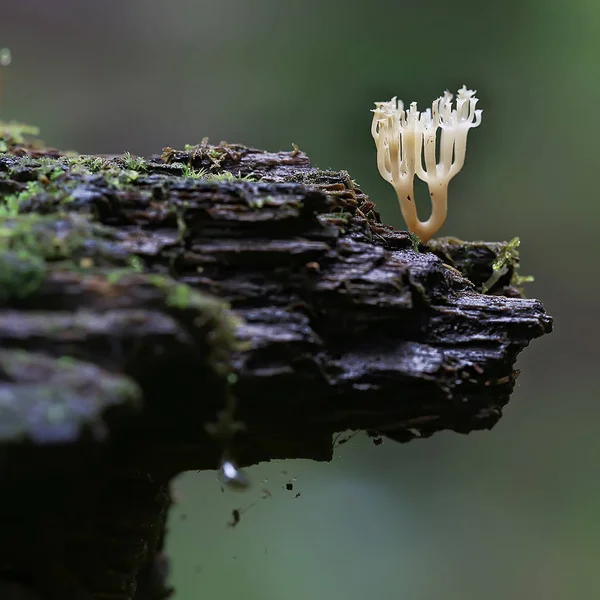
[{"x": 138, "y": 296}]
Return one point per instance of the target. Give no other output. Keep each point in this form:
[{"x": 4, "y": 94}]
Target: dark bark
[{"x": 141, "y": 302}]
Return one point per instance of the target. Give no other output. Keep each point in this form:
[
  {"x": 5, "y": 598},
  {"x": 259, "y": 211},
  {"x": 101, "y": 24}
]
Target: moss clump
[
  {"x": 339, "y": 219},
  {"x": 93, "y": 164},
  {"x": 415, "y": 241},
  {"x": 21, "y": 274},
  {"x": 134, "y": 163},
  {"x": 257, "y": 201},
  {"x": 14, "y": 204},
  {"x": 29, "y": 243},
  {"x": 59, "y": 237},
  {"x": 205, "y": 175},
  {"x": 17, "y": 134},
  {"x": 216, "y": 155},
  {"x": 507, "y": 259},
  {"x": 53, "y": 400},
  {"x": 209, "y": 314},
  {"x": 9, "y": 206},
  {"x": 228, "y": 176},
  {"x": 47, "y": 184},
  {"x": 492, "y": 266},
  {"x": 207, "y": 162}
]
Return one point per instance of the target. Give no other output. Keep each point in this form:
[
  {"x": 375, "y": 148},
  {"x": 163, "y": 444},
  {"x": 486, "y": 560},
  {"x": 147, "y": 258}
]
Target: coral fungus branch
[{"x": 407, "y": 139}]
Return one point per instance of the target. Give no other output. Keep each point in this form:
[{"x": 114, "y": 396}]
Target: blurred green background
[{"x": 512, "y": 513}]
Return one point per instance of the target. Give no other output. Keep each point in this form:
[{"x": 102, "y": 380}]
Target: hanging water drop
[{"x": 233, "y": 477}]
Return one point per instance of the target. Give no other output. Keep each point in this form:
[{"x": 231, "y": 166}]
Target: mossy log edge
[{"x": 156, "y": 314}]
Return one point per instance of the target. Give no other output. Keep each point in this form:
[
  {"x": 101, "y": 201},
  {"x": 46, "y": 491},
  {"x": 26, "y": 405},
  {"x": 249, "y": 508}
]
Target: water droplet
[{"x": 233, "y": 477}]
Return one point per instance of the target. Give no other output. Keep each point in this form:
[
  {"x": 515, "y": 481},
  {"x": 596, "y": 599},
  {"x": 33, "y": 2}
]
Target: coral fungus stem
[{"x": 439, "y": 209}]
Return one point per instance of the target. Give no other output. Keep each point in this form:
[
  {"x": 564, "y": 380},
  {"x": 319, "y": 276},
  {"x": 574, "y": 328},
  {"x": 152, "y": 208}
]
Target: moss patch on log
[{"x": 48, "y": 400}]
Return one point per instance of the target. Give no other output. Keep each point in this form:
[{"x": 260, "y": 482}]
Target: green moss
[
  {"x": 9, "y": 206},
  {"x": 228, "y": 176},
  {"x": 55, "y": 173},
  {"x": 14, "y": 134},
  {"x": 12, "y": 203},
  {"x": 414, "y": 240},
  {"x": 213, "y": 314},
  {"x": 159, "y": 281},
  {"x": 21, "y": 274},
  {"x": 32, "y": 243},
  {"x": 517, "y": 281},
  {"x": 179, "y": 296},
  {"x": 210, "y": 312},
  {"x": 117, "y": 174},
  {"x": 258, "y": 202},
  {"x": 29, "y": 242},
  {"x": 339, "y": 219},
  {"x": 116, "y": 275},
  {"x": 179, "y": 212},
  {"x": 210, "y": 158},
  {"x": 216, "y": 154},
  {"x": 136, "y": 163},
  {"x": 52, "y": 400},
  {"x": 508, "y": 256},
  {"x": 92, "y": 163},
  {"x": 48, "y": 236},
  {"x": 204, "y": 174},
  {"x": 316, "y": 176},
  {"x": 52, "y": 185},
  {"x": 66, "y": 361},
  {"x": 136, "y": 264},
  {"x": 191, "y": 173},
  {"x": 491, "y": 266}
]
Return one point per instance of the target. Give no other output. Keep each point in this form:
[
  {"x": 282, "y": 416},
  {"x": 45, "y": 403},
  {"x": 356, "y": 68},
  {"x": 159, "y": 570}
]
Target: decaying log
[{"x": 159, "y": 314}]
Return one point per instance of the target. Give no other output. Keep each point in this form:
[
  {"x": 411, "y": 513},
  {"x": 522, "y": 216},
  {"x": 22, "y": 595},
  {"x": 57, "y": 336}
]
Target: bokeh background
[{"x": 511, "y": 513}]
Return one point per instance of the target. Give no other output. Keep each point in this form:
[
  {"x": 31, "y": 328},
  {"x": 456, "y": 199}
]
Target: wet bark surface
[{"x": 158, "y": 314}]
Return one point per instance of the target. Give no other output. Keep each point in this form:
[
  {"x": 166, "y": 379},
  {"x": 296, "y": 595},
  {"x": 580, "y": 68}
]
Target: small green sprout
[
  {"x": 191, "y": 173},
  {"x": 508, "y": 255},
  {"x": 134, "y": 163},
  {"x": 228, "y": 176}
]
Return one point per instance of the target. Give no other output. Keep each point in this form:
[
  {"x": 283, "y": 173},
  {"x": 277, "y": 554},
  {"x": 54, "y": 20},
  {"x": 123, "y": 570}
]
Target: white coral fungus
[{"x": 406, "y": 143}]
